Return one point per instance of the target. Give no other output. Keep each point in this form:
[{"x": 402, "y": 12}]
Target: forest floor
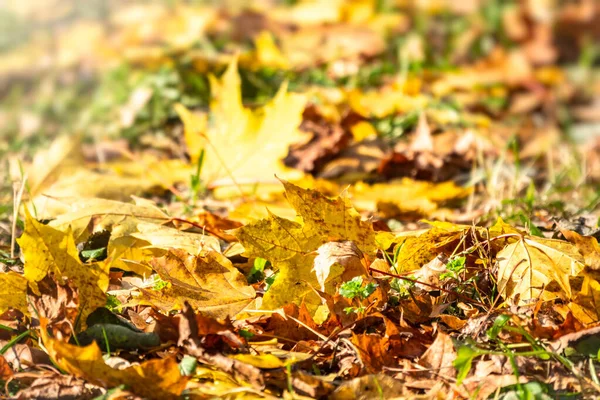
[{"x": 348, "y": 199}]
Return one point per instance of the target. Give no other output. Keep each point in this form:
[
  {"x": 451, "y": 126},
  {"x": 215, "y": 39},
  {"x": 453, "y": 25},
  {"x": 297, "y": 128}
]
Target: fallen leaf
[
  {"x": 588, "y": 247},
  {"x": 528, "y": 267},
  {"x": 58, "y": 386},
  {"x": 345, "y": 254},
  {"x": 406, "y": 196},
  {"x": 586, "y": 299},
  {"x": 370, "y": 387},
  {"x": 242, "y": 146},
  {"x": 208, "y": 281},
  {"x": 13, "y": 292},
  {"x": 373, "y": 350},
  {"x": 291, "y": 246},
  {"x": 47, "y": 250},
  {"x": 87, "y": 216},
  {"x": 5, "y": 370},
  {"x": 328, "y": 139},
  {"x": 264, "y": 361},
  {"x": 163, "y": 237},
  {"x": 440, "y": 356},
  {"x": 58, "y": 304},
  {"x": 154, "y": 379},
  {"x": 49, "y": 165}
]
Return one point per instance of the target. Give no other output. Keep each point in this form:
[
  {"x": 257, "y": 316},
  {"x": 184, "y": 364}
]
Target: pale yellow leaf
[
  {"x": 528, "y": 268},
  {"x": 243, "y": 146}
]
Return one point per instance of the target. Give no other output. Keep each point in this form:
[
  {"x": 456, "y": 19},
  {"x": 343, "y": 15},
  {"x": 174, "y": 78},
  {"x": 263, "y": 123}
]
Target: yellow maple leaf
[
  {"x": 406, "y": 196},
  {"x": 13, "y": 292},
  {"x": 537, "y": 268},
  {"x": 153, "y": 379},
  {"x": 291, "y": 246},
  {"x": 208, "y": 281},
  {"x": 244, "y": 146},
  {"x": 46, "y": 249}
]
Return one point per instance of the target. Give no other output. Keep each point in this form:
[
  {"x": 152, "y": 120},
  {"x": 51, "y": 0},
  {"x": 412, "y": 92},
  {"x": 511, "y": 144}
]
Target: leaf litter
[{"x": 306, "y": 199}]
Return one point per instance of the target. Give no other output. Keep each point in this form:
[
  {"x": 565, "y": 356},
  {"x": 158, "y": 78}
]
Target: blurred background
[{"x": 113, "y": 70}]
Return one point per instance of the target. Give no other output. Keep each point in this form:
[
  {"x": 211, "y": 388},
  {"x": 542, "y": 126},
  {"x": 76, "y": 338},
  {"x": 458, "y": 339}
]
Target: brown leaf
[
  {"x": 59, "y": 304},
  {"x": 328, "y": 139},
  {"x": 63, "y": 387},
  {"x": 440, "y": 356},
  {"x": 23, "y": 356},
  {"x": 373, "y": 351}
]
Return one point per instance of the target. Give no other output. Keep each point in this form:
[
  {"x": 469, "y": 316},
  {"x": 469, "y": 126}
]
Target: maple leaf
[
  {"x": 48, "y": 250},
  {"x": 528, "y": 267},
  {"x": 153, "y": 379},
  {"x": 291, "y": 246},
  {"x": 406, "y": 196},
  {"x": 137, "y": 233},
  {"x": 59, "y": 176},
  {"x": 585, "y": 304},
  {"x": 13, "y": 292},
  {"x": 209, "y": 282},
  {"x": 242, "y": 146},
  {"x": 107, "y": 214}
]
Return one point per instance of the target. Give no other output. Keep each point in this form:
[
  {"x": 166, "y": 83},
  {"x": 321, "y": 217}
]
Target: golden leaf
[
  {"x": 107, "y": 214},
  {"x": 406, "y": 196},
  {"x": 46, "y": 249},
  {"x": 528, "y": 267},
  {"x": 267, "y": 54},
  {"x": 588, "y": 247},
  {"x": 209, "y": 282},
  {"x": 585, "y": 305},
  {"x": 291, "y": 246},
  {"x": 154, "y": 379},
  {"x": 243, "y": 146},
  {"x": 163, "y": 237},
  {"x": 13, "y": 292},
  {"x": 59, "y": 176}
]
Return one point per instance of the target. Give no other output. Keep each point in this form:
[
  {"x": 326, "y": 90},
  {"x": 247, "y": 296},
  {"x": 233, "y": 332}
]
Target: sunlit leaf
[
  {"x": 244, "y": 146},
  {"x": 528, "y": 267},
  {"x": 153, "y": 379},
  {"x": 47, "y": 250},
  {"x": 291, "y": 246},
  {"x": 209, "y": 282}
]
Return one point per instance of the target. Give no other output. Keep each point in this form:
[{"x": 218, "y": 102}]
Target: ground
[{"x": 300, "y": 199}]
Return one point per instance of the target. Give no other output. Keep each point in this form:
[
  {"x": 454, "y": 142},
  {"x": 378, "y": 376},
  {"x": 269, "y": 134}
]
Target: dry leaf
[
  {"x": 209, "y": 282},
  {"x": 13, "y": 292},
  {"x": 588, "y": 247},
  {"x": 528, "y": 267},
  {"x": 345, "y": 254},
  {"x": 154, "y": 379},
  {"x": 291, "y": 247},
  {"x": 47, "y": 250}
]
